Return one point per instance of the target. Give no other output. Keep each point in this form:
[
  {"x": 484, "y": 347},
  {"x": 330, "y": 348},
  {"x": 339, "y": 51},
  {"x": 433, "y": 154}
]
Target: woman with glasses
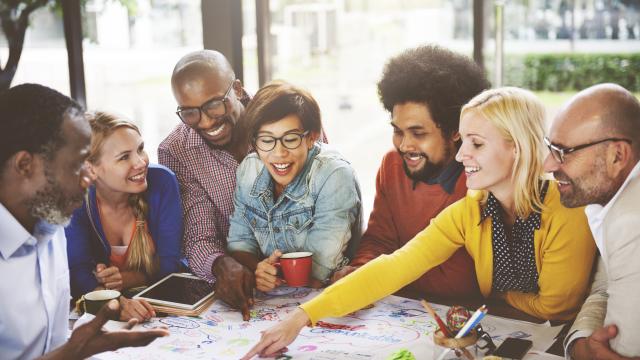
[
  {"x": 128, "y": 231},
  {"x": 528, "y": 249},
  {"x": 293, "y": 194}
]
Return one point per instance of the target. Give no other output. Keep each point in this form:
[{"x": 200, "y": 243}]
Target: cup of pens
[
  {"x": 455, "y": 348},
  {"x": 457, "y": 338}
]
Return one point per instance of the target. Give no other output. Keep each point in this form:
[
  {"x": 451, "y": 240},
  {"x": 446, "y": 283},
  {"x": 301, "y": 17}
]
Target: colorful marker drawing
[
  {"x": 179, "y": 322},
  {"x": 307, "y": 348},
  {"x": 372, "y": 333},
  {"x": 327, "y": 325}
]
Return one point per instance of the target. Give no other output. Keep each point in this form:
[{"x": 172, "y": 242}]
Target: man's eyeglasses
[
  {"x": 559, "y": 153},
  {"x": 214, "y": 108},
  {"x": 485, "y": 343},
  {"x": 290, "y": 141}
]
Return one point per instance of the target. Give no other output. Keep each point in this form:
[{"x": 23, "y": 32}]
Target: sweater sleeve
[
  {"x": 388, "y": 273},
  {"x": 168, "y": 221},
  {"x": 381, "y": 234},
  {"x": 80, "y": 256},
  {"x": 566, "y": 256}
]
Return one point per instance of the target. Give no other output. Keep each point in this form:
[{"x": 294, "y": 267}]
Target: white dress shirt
[
  {"x": 34, "y": 290},
  {"x": 596, "y": 213}
]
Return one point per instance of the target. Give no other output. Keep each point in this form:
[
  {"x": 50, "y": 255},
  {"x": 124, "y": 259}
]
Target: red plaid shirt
[{"x": 207, "y": 180}]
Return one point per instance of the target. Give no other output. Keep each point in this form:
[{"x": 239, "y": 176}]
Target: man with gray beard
[{"x": 44, "y": 141}]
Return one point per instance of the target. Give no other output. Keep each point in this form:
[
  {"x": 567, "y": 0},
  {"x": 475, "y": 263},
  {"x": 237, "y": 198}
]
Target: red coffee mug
[{"x": 296, "y": 268}]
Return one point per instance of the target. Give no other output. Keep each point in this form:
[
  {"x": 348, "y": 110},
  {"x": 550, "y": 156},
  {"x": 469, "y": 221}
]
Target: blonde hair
[
  {"x": 519, "y": 116},
  {"x": 141, "y": 253}
]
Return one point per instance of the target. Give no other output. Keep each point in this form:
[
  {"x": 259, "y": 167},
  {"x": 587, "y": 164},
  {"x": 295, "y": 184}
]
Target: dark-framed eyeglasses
[
  {"x": 214, "y": 108},
  {"x": 290, "y": 141},
  {"x": 485, "y": 342},
  {"x": 559, "y": 152}
]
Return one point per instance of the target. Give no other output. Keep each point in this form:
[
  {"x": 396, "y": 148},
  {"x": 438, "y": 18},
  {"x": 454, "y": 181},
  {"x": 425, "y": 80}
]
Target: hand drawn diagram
[{"x": 392, "y": 324}]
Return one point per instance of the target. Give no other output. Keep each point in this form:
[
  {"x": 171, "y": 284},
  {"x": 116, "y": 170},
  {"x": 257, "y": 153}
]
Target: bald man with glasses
[
  {"x": 204, "y": 151},
  {"x": 594, "y": 145}
]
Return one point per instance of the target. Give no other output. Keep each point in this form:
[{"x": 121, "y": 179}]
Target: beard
[
  {"x": 596, "y": 188},
  {"x": 51, "y": 204},
  {"x": 428, "y": 171}
]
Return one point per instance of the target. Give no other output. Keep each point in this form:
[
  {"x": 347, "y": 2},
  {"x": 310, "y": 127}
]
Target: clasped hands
[{"x": 111, "y": 278}]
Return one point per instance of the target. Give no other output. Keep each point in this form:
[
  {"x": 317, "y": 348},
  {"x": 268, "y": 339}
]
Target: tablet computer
[{"x": 178, "y": 290}]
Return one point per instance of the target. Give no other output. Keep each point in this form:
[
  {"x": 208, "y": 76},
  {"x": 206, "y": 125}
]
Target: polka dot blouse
[{"x": 514, "y": 263}]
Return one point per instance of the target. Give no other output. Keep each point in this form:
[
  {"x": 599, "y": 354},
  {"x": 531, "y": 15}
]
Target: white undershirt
[
  {"x": 119, "y": 250},
  {"x": 596, "y": 214}
]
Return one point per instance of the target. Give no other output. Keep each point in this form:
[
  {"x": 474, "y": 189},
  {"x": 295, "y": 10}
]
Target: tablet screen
[{"x": 178, "y": 289}]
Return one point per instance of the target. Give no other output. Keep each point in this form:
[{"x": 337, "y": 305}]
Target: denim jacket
[{"x": 319, "y": 211}]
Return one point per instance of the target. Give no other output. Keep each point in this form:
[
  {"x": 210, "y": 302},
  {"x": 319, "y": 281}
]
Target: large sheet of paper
[{"x": 392, "y": 324}]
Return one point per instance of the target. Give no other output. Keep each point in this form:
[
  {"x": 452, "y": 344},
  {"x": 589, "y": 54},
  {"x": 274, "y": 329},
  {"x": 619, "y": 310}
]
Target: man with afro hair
[{"x": 423, "y": 89}]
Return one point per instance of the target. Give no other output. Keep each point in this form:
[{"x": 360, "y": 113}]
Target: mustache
[
  {"x": 559, "y": 175},
  {"x": 221, "y": 121},
  {"x": 412, "y": 153}
]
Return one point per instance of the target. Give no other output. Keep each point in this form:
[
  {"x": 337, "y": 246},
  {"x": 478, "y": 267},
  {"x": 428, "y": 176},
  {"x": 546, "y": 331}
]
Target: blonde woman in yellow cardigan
[{"x": 528, "y": 249}]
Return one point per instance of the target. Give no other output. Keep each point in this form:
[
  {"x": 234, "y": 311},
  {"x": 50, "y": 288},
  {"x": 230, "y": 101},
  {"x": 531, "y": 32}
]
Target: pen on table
[{"x": 468, "y": 326}]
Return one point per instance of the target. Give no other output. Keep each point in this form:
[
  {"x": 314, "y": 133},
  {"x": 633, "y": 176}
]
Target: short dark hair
[
  {"x": 31, "y": 118},
  {"x": 277, "y": 100},
  {"x": 439, "y": 78}
]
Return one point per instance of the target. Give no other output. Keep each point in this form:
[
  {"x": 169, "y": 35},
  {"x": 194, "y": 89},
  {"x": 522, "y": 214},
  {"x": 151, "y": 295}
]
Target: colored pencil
[{"x": 441, "y": 324}]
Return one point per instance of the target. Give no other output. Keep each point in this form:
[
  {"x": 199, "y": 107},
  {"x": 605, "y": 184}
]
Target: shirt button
[{"x": 276, "y": 230}]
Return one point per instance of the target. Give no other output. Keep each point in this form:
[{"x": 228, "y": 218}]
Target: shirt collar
[
  {"x": 296, "y": 189},
  {"x": 596, "y": 212},
  {"x": 448, "y": 177},
  {"x": 193, "y": 138},
  {"x": 493, "y": 207},
  {"x": 14, "y": 235}
]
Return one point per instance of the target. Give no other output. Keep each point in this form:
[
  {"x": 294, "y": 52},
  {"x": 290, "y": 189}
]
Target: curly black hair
[
  {"x": 31, "y": 118},
  {"x": 439, "y": 78}
]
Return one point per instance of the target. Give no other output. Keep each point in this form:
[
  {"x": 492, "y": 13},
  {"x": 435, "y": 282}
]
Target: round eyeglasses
[
  {"x": 214, "y": 108},
  {"x": 290, "y": 141}
]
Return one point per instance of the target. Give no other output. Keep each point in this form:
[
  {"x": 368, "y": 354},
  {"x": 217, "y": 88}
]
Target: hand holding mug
[
  {"x": 266, "y": 273},
  {"x": 296, "y": 268}
]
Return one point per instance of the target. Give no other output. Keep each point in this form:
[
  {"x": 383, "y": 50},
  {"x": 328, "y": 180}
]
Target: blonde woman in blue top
[
  {"x": 293, "y": 193},
  {"x": 128, "y": 231}
]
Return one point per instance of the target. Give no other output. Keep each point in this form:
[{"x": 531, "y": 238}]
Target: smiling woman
[
  {"x": 293, "y": 194},
  {"x": 128, "y": 231},
  {"x": 528, "y": 249}
]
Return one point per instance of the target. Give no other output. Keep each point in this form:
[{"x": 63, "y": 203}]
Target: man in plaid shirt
[{"x": 204, "y": 152}]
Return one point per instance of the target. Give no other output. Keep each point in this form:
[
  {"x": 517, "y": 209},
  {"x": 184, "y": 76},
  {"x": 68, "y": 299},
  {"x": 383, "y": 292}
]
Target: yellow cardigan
[{"x": 564, "y": 251}]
